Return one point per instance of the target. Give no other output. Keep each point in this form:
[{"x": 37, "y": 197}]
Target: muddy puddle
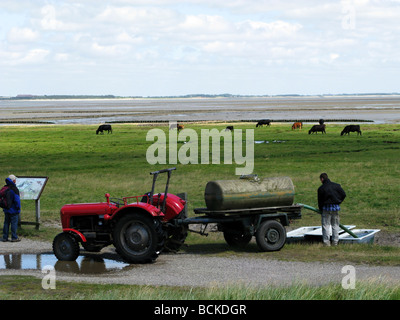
[{"x": 83, "y": 264}]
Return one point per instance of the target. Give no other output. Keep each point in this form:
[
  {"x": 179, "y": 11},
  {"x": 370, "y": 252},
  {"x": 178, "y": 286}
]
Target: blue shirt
[{"x": 331, "y": 207}]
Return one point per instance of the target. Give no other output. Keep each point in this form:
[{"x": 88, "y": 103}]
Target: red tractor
[{"x": 139, "y": 227}]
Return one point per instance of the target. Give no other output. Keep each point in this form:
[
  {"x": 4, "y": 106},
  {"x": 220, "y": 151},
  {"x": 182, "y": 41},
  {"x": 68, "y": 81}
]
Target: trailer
[
  {"x": 248, "y": 207},
  {"x": 266, "y": 224}
]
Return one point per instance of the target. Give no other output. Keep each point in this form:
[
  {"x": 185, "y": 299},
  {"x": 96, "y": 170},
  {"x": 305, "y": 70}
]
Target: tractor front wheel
[{"x": 65, "y": 247}]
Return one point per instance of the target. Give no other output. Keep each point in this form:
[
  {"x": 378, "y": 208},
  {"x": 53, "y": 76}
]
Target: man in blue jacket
[{"x": 11, "y": 215}]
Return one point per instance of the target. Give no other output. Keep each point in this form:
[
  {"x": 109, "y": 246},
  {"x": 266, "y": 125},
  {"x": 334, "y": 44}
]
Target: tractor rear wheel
[
  {"x": 65, "y": 247},
  {"x": 135, "y": 238},
  {"x": 271, "y": 235}
]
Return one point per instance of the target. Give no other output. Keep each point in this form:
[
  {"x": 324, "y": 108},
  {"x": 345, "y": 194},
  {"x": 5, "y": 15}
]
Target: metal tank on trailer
[{"x": 249, "y": 193}]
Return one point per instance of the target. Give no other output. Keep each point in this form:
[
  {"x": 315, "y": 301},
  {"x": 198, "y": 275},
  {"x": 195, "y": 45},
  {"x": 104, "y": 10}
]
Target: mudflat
[{"x": 374, "y": 108}]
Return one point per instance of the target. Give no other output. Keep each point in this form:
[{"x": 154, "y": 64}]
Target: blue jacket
[{"x": 15, "y": 199}]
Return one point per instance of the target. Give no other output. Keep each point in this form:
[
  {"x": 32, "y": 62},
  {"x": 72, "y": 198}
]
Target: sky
[{"x": 167, "y": 47}]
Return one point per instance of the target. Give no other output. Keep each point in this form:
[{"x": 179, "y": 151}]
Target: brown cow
[
  {"x": 176, "y": 126},
  {"x": 297, "y": 125}
]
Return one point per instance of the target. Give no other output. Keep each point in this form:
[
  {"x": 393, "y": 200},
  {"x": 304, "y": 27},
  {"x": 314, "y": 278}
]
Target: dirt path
[{"x": 184, "y": 269}]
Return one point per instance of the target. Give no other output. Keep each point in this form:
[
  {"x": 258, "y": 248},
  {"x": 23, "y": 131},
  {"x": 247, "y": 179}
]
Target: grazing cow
[
  {"x": 104, "y": 127},
  {"x": 263, "y": 122},
  {"x": 229, "y": 128},
  {"x": 317, "y": 128},
  {"x": 321, "y": 121},
  {"x": 297, "y": 125},
  {"x": 351, "y": 128},
  {"x": 176, "y": 126}
]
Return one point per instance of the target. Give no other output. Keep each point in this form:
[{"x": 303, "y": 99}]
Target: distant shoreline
[{"x": 190, "y": 96}]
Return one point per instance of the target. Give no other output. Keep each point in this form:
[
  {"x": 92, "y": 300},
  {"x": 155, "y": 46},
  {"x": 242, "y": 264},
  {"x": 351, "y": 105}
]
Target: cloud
[
  {"x": 172, "y": 39},
  {"x": 35, "y": 56},
  {"x": 22, "y": 35},
  {"x": 137, "y": 19},
  {"x": 109, "y": 50},
  {"x": 205, "y": 24},
  {"x": 60, "y": 18},
  {"x": 29, "y": 58}
]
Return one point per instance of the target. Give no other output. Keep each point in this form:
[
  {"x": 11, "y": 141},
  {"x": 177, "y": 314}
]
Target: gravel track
[{"x": 184, "y": 269}]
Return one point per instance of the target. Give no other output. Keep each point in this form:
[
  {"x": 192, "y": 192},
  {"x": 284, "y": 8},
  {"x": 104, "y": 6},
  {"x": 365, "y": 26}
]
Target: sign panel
[{"x": 30, "y": 188}]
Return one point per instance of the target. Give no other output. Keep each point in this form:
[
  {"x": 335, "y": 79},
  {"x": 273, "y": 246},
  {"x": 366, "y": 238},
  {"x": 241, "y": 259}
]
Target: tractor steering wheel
[{"x": 117, "y": 201}]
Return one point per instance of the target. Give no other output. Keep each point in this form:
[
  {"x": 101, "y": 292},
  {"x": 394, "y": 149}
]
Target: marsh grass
[{"x": 29, "y": 288}]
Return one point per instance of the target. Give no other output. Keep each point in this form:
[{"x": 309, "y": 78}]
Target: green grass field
[{"x": 83, "y": 166}]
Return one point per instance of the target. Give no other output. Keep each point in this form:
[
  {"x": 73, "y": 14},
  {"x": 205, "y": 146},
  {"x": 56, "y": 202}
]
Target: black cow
[
  {"x": 230, "y": 128},
  {"x": 351, "y": 128},
  {"x": 104, "y": 127},
  {"x": 263, "y": 122},
  {"x": 317, "y": 128}
]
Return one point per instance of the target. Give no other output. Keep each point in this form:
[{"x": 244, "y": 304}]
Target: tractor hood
[
  {"x": 84, "y": 209},
  {"x": 99, "y": 208}
]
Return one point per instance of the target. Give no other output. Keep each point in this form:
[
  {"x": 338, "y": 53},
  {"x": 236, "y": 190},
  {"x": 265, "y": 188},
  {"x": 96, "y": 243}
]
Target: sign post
[{"x": 31, "y": 188}]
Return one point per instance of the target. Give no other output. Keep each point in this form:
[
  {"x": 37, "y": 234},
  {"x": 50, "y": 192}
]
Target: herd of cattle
[
  {"x": 297, "y": 125},
  {"x": 315, "y": 128}
]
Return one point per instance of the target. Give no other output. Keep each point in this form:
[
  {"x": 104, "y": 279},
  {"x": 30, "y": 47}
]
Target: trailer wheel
[
  {"x": 65, "y": 247},
  {"x": 176, "y": 238},
  {"x": 135, "y": 238},
  {"x": 161, "y": 235},
  {"x": 271, "y": 236},
  {"x": 237, "y": 239},
  {"x": 176, "y": 234}
]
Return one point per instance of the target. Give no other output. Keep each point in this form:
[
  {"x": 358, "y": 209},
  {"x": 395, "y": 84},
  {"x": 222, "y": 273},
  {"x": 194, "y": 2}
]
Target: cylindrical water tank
[{"x": 241, "y": 193}]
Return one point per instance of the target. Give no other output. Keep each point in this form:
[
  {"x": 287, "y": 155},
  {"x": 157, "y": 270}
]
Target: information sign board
[{"x": 30, "y": 188}]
